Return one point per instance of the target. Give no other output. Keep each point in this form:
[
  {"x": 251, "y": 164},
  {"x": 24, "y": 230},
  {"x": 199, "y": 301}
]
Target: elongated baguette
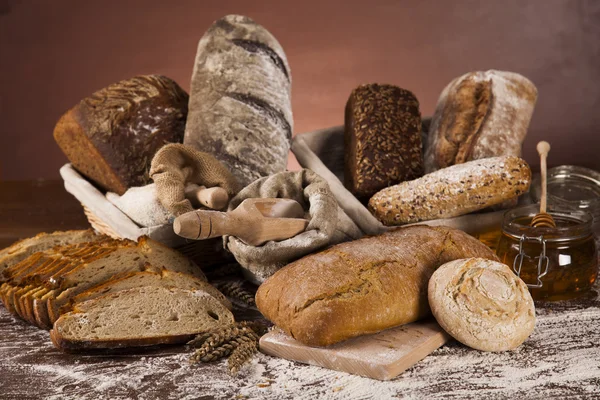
[
  {"x": 453, "y": 191},
  {"x": 363, "y": 286}
]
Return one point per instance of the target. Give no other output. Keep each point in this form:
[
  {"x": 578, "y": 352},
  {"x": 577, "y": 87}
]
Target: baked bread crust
[
  {"x": 363, "y": 286},
  {"x": 480, "y": 114},
  {"x": 240, "y": 99},
  {"x": 143, "y": 316},
  {"x": 382, "y": 139},
  {"x": 112, "y": 135},
  {"x": 452, "y": 191},
  {"x": 482, "y": 304}
]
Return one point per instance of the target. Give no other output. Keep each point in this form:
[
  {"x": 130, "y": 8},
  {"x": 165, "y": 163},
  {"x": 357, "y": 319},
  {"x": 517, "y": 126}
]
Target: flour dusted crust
[
  {"x": 363, "y": 286},
  {"x": 478, "y": 115},
  {"x": 240, "y": 102},
  {"x": 453, "y": 191},
  {"x": 112, "y": 135},
  {"x": 482, "y": 304}
]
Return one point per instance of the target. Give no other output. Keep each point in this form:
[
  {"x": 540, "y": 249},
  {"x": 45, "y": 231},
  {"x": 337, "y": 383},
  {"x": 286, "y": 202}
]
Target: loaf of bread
[
  {"x": 143, "y": 316},
  {"x": 482, "y": 304},
  {"x": 240, "y": 100},
  {"x": 453, "y": 191},
  {"x": 382, "y": 139},
  {"x": 40, "y": 285},
  {"x": 111, "y": 136},
  {"x": 480, "y": 115},
  {"x": 364, "y": 286},
  {"x": 22, "y": 249},
  {"x": 163, "y": 278}
]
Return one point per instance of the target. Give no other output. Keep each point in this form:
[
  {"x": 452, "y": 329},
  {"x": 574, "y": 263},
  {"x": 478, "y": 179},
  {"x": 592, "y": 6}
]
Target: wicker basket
[{"x": 107, "y": 219}]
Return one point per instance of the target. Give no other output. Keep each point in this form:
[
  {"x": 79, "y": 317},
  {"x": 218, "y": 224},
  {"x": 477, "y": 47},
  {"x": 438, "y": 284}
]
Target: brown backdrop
[{"x": 53, "y": 53}]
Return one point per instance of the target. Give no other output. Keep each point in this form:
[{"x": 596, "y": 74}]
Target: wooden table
[{"x": 560, "y": 360}]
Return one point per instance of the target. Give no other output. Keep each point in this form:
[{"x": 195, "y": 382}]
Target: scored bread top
[
  {"x": 482, "y": 304},
  {"x": 363, "y": 286}
]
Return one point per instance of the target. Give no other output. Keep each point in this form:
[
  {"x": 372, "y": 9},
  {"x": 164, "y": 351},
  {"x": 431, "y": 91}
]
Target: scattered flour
[{"x": 560, "y": 359}]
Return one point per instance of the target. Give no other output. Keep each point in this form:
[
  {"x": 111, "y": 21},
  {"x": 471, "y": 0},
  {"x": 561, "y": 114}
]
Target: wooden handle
[
  {"x": 247, "y": 222},
  {"x": 215, "y": 198},
  {"x": 204, "y": 224},
  {"x": 543, "y": 149}
]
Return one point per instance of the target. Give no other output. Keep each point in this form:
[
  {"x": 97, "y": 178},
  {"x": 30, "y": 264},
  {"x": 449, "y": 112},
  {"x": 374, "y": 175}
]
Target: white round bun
[{"x": 482, "y": 304}]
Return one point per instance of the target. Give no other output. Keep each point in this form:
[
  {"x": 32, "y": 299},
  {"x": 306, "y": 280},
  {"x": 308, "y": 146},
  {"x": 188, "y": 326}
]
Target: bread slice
[
  {"x": 144, "y": 316},
  {"x": 24, "y": 248},
  {"x": 163, "y": 278},
  {"x": 52, "y": 278}
]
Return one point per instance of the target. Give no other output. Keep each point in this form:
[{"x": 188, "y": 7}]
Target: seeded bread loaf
[
  {"x": 364, "y": 286},
  {"x": 144, "y": 316},
  {"x": 240, "y": 102},
  {"x": 453, "y": 191},
  {"x": 24, "y": 248},
  {"x": 111, "y": 136},
  {"x": 479, "y": 115},
  {"x": 482, "y": 304},
  {"x": 382, "y": 139}
]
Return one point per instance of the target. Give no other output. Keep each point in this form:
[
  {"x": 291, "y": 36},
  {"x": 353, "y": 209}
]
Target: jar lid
[{"x": 571, "y": 187}]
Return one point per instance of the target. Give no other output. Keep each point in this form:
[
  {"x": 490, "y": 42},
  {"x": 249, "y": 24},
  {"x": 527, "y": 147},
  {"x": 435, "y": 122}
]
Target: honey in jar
[{"x": 556, "y": 263}]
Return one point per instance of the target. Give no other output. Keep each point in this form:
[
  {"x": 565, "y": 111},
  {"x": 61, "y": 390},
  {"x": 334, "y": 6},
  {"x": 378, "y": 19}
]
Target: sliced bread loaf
[
  {"x": 143, "y": 316},
  {"x": 52, "y": 278},
  {"x": 24, "y": 248},
  {"x": 163, "y": 278}
]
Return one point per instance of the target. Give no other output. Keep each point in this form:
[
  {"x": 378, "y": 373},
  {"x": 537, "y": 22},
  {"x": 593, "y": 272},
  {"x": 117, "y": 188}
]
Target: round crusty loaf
[
  {"x": 453, "y": 191},
  {"x": 482, "y": 304},
  {"x": 478, "y": 115},
  {"x": 240, "y": 100}
]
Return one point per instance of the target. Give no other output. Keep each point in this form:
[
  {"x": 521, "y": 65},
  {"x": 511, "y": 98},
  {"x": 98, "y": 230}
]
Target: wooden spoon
[
  {"x": 254, "y": 221},
  {"x": 543, "y": 219}
]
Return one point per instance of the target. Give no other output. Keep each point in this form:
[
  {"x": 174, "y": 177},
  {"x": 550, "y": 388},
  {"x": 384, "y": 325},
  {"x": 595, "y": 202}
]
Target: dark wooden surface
[{"x": 560, "y": 360}]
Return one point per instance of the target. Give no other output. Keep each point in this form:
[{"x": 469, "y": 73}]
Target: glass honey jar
[{"x": 556, "y": 263}]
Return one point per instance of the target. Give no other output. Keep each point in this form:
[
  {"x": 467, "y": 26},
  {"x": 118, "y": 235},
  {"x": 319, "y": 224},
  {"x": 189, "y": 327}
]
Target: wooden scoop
[
  {"x": 214, "y": 197},
  {"x": 543, "y": 219},
  {"x": 254, "y": 221}
]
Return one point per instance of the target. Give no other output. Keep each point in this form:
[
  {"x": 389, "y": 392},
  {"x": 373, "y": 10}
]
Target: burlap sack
[
  {"x": 175, "y": 165},
  {"x": 328, "y": 223}
]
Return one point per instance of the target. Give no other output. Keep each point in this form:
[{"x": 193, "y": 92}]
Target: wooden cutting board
[{"x": 381, "y": 356}]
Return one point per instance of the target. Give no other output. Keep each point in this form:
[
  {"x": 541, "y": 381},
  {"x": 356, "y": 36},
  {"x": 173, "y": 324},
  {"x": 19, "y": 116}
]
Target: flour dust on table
[{"x": 559, "y": 360}]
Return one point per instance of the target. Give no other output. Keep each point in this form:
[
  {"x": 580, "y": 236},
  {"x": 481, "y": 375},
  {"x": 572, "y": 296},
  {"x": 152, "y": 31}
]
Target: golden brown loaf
[
  {"x": 482, "y": 304},
  {"x": 480, "y": 114},
  {"x": 453, "y": 191},
  {"x": 382, "y": 139},
  {"x": 112, "y": 135},
  {"x": 363, "y": 286}
]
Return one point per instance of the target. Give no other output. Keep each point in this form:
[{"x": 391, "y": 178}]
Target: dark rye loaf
[
  {"x": 382, "y": 139},
  {"x": 112, "y": 135},
  {"x": 240, "y": 100}
]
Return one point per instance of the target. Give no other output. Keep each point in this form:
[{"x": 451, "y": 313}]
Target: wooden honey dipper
[{"x": 543, "y": 219}]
